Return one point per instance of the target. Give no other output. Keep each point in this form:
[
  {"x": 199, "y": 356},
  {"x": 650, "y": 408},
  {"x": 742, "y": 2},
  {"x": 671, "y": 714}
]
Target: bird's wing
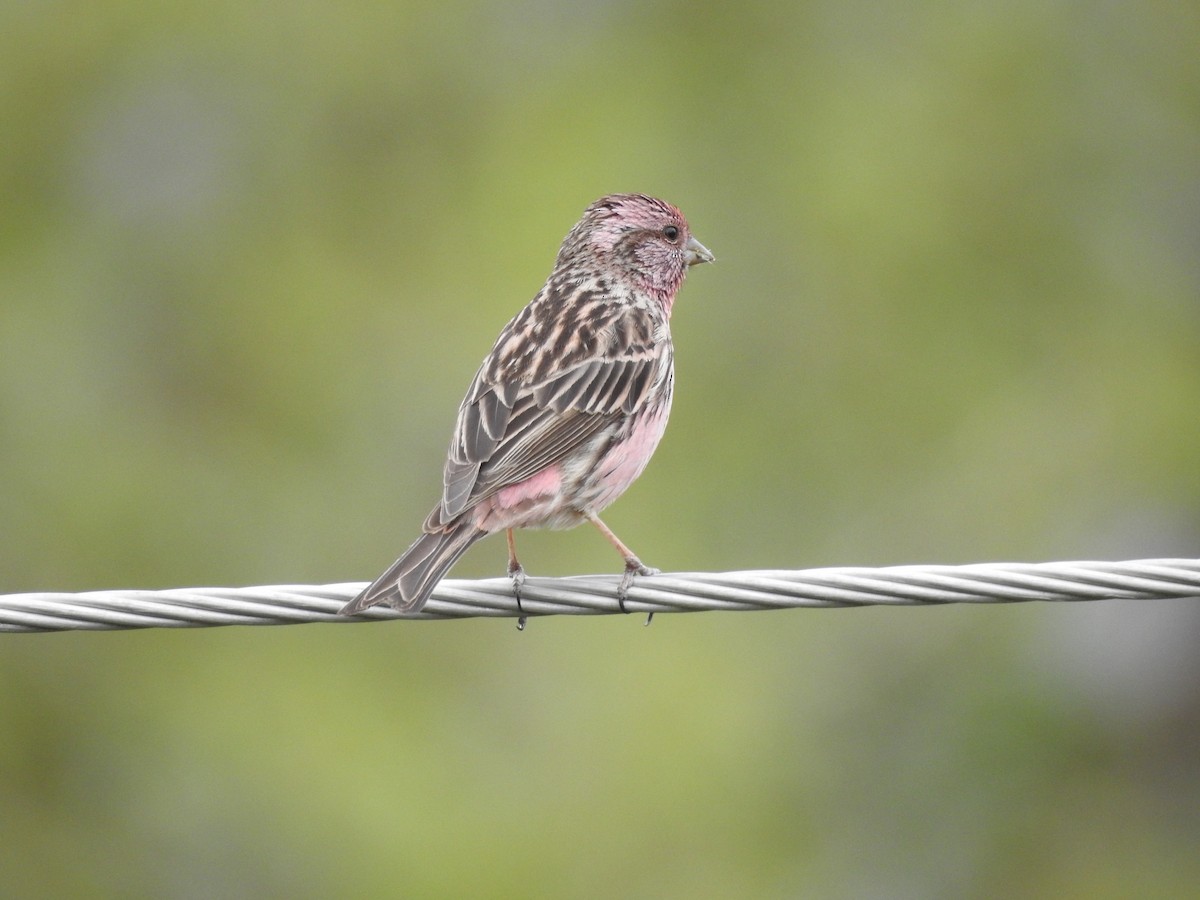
[{"x": 545, "y": 391}]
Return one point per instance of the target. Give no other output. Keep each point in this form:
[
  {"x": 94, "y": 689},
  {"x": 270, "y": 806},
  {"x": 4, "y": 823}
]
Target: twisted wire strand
[{"x": 1146, "y": 579}]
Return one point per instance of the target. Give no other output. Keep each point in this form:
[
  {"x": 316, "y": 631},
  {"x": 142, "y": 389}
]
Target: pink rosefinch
[{"x": 568, "y": 407}]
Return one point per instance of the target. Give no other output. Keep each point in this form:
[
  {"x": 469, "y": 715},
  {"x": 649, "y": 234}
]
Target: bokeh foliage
[{"x": 250, "y": 255}]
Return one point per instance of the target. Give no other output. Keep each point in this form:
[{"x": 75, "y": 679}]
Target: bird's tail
[{"x": 409, "y": 581}]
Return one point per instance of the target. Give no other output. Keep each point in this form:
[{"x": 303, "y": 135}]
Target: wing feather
[
  {"x": 517, "y": 418},
  {"x": 548, "y": 442},
  {"x": 605, "y": 390}
]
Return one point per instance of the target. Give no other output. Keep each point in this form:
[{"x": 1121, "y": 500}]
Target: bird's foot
[
  {"x": 517, "y": 573},
  {"x": 633, "y": 567}
]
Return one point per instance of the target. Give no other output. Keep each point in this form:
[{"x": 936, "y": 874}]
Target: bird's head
[{"x": 637, "y": 240}]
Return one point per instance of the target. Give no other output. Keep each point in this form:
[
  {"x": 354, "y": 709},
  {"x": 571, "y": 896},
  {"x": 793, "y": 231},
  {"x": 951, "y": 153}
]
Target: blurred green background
[{"x": 250, "y": 256}]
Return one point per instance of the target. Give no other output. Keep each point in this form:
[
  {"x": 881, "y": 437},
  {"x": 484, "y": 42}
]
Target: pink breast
[{"x": 625, "y": 461}]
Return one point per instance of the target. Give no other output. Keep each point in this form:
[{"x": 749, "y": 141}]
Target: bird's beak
[{"x": 696, "y": 253}]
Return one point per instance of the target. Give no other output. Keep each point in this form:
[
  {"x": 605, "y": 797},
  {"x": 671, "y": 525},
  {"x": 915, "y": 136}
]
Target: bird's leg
[
  {"x": 633, "y": 565},
  {"x": 517, "y": 573}
]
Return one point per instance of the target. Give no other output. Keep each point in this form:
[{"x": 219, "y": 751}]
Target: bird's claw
[
  {"x": 633, "y": 567},
  {"x": 517, "y": 573}
]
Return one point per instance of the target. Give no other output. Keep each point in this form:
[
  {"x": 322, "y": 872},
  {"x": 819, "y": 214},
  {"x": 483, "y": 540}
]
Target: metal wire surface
[{"x": 1147, "y": 579}]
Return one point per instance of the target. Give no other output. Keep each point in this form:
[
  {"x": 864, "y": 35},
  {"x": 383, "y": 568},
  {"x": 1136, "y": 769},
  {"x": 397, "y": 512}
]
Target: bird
[{"x": 567, "y": 407}]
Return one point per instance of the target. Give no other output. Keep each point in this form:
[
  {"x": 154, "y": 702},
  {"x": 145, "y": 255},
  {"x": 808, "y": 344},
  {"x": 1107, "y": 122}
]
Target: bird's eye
[{"x": 671, "y": 232}]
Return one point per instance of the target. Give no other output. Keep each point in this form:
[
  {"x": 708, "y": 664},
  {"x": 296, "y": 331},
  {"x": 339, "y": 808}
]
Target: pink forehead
[
  {"x": 618, "y": 213},
  {"x": 635, "y": 209}
]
